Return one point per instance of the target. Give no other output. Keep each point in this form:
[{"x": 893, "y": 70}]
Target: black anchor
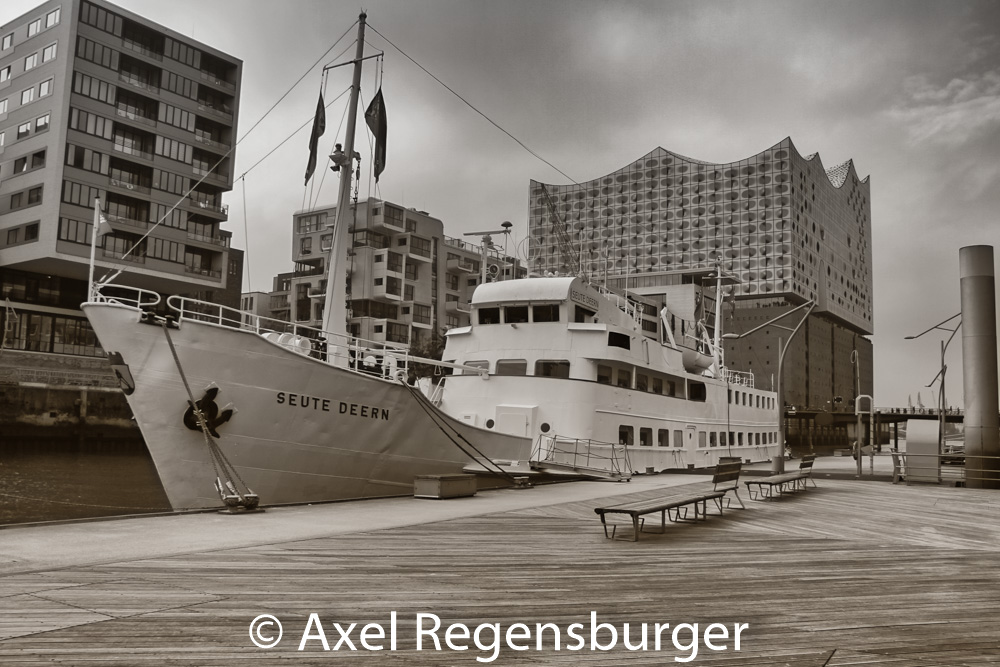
[{"x": 210, "y": 412}]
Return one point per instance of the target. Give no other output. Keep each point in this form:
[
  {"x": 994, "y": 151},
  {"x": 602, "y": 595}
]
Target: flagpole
[{"x": 93, "y": 247}]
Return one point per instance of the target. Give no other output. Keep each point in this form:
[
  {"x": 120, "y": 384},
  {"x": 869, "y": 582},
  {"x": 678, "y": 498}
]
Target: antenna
[{"x": 486, "y": 243}]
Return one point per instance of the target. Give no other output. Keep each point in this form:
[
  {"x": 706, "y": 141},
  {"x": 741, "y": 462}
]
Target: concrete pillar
[{"x": 979, "y": 366}]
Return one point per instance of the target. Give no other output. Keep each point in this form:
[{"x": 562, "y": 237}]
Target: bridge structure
[{"x": 813, "y": 428}]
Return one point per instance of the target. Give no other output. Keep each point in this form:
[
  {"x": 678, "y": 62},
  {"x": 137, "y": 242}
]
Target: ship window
[
  {"x": 552, "y": 369},
  {"x": 701, "y": 438},
  {"x": 657, "y": 385},
  {"x": 757, "y": 438},
  {"x": 581, "y": 314},
  {"x": 671, "y": 388},
  {"x": 621, "y": 340},
  {"x": 625, "y": 377},
  {"x": 663, "y": 437},
  {"x": 513, "y": 314},
  {"x": 645, "y": 437},
  {"x": 512, "y": 367},
  {"x": 641, "y": 382},
  {"x": 697, "y": 391},
  {"x": 678, "y": 438},
  {"x": 604, "y": 374},
  {"x": 739, "y": 439},
  {"x": 626, "y": 435},
  {"x": 489, "y": 316},
  {"x": 712, "y": 439},
  {"x": 722, "y": 439},
  {"x": 545, "y": 313},
  {"x": 485, "y": 365}
]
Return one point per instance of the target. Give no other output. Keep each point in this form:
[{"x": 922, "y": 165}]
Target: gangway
[{"x": 593, "y": 459}]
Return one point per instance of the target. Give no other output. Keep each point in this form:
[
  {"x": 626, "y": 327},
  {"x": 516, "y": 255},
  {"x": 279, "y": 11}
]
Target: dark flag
[
  {"x": 319, "y": 127},
  {"x": 375, "y": 118}
]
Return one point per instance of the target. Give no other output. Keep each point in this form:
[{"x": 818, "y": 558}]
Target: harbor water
[{"x": 53, "y": 474}]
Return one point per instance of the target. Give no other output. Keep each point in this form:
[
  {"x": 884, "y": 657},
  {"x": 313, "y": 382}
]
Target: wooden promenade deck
[{"x": 850, "y": 573}]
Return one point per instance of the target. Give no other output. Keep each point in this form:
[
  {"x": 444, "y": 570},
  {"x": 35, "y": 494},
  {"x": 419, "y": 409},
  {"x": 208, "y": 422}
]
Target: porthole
[
  {"x": 489, "y": 423},
  {"x": 545, "y": 428}
]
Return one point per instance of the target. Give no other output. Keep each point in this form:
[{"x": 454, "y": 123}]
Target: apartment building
[
  {"x": 406, "y": 278},
  {"x": 98, "y": 102}
]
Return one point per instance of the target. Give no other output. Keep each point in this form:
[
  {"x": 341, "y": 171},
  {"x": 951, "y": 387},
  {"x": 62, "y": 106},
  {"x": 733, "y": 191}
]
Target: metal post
[{"x": 979, "y": 366}]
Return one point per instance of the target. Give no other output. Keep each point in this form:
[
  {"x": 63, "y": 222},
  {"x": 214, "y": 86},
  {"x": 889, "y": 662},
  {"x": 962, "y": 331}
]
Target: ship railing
[
  {"x": 133, "y": 297},
  {"x": 744, "y": 378},
  {"x": 581, "y": 453}
]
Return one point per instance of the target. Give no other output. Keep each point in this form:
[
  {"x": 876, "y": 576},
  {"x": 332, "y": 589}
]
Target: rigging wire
[{"x": 468, "y": 104}]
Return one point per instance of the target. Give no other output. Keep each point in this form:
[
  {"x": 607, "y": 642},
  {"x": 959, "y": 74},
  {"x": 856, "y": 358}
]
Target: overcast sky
[{"x": 909, "y": 90}]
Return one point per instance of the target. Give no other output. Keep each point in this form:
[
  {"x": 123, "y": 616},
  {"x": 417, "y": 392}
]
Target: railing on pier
[{"x": 950, "y": 467}]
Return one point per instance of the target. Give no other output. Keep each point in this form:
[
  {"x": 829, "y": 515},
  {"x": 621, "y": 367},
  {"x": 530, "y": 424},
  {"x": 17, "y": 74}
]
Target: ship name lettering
[
  {"x": 585, "y": 299},
  {"x": 326, "y": 405},
  {"x": 369, "y": 411}
]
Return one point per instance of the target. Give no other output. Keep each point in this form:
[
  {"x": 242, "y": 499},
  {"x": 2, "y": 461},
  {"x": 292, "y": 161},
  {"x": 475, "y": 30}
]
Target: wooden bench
[
  {"x": 789, "y": 481},
  {"x": 725, "y": 479}
]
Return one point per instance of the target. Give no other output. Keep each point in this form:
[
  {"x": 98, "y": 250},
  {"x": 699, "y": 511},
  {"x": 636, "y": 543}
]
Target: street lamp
[
  {"x": 942, "y": 401},
  {"x": 778, "y": 461}
]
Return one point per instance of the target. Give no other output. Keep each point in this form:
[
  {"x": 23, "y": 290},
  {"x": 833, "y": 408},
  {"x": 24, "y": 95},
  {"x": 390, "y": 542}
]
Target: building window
[
  {"x": 52, "y": 18},
  {"x": 27, "y": 96},
  {"x": 48, "y": 53},
  {"x": 34, "y": 27},
  {"x": 31, "y": 232},
  {"x": 5, "y": 74},
  {"x": 42, "y": 123},
  {"x": 23, "y": 130},
  {"x": 3, "y": 105},
  {"x": 34, "y": 195},
  {"x": 45, "y": 88},
  {"x": 31, "y": 61},
  {"x": 8, "y": 41},
  {"x": 16, "y": 201},
  {"x": 306, "y": 245},
  {"x": 12, "y": 233}
]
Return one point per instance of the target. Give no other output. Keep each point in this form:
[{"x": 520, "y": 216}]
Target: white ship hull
[{"x": 303, "y": 431}]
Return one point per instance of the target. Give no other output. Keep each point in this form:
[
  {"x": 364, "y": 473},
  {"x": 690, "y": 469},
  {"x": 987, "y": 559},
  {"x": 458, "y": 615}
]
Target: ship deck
[{"x": 849, "y": 573}]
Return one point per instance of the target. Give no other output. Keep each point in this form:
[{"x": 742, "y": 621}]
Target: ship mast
[{"x": 335, "y": 304}]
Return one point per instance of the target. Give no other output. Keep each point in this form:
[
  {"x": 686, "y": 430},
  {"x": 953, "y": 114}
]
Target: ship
[
  {"x": 240, "y": 411},
  {"x": 606, "y": 384}
]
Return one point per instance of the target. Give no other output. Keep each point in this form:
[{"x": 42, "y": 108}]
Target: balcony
[
  {"x": 213, "y": 79},
  {"x": 210, "y": 110},
  {"x": 130, "y": 222},
  {"x": 136, "y": 82},
  {"x": 130, "y": 114},
  {"x": 136, "y": 47},
  {"x": 214, "y": 144},
  {"x": 463, "y": 265},
  {"x": 198, "y": 271},
  {"x": 133, "y": 151},
  {"x": 122, "y": 184},
  {"x": 458, "y": 307},
  {"x": 209, "y": 175},
  {"x": 135, "y": 257},
  {"x": 207, "y": 204},
  {"x": 214, "y": 240}
]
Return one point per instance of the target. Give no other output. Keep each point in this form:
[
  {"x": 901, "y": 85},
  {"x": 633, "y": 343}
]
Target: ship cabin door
[{"x": 515, "y": 419}]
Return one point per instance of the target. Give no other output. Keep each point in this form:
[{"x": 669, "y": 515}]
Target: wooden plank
[{"x": 870, "y": 573}]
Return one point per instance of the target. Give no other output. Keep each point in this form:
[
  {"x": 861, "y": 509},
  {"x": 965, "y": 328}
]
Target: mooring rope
[
  {"x": 219, "y": 458},
  {"x": 439, "y": 422}
]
